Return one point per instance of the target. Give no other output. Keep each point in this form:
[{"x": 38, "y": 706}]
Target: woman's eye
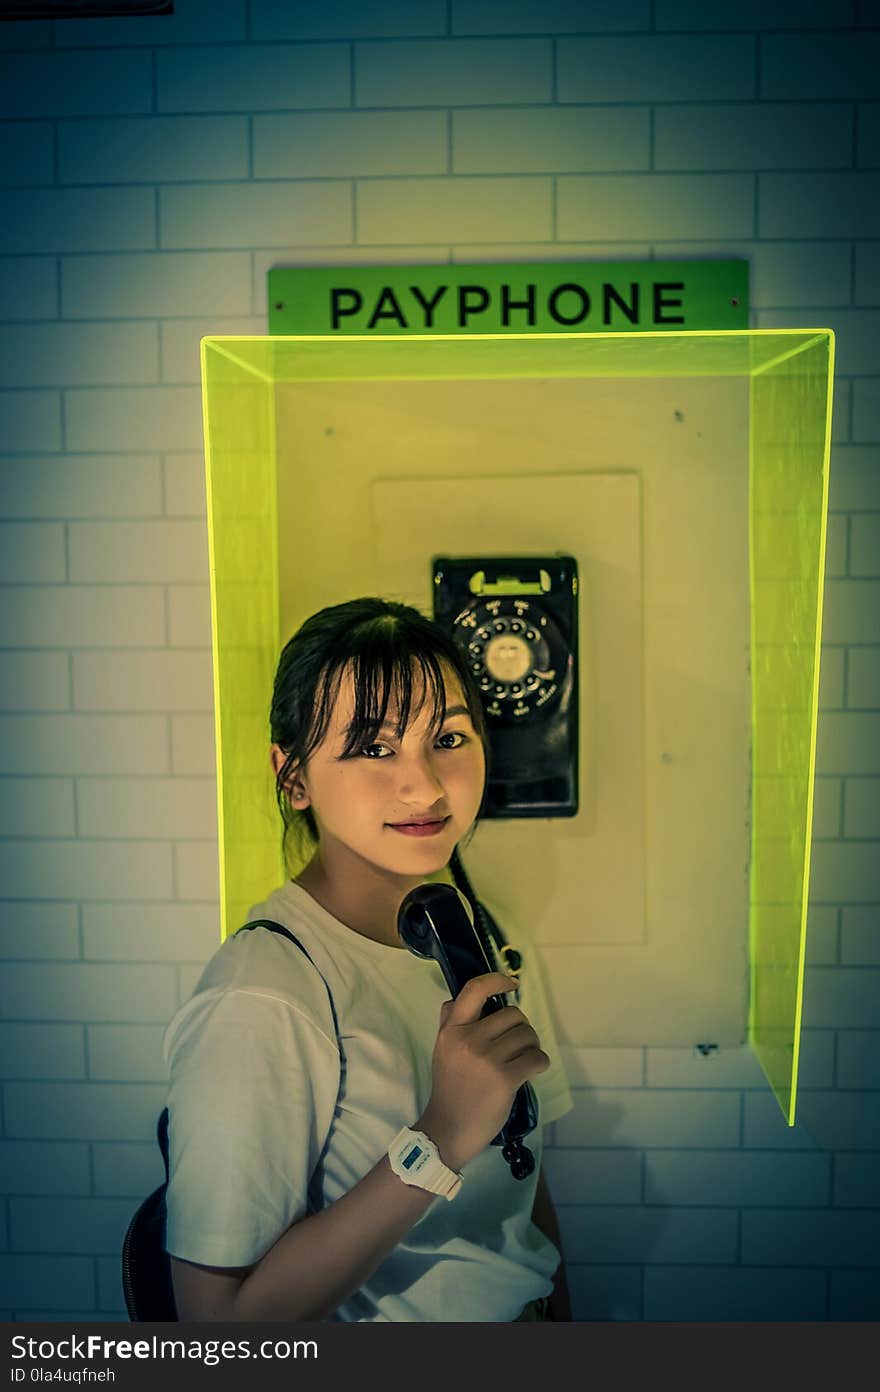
[
  {"x": 367, "y": 747},
  {"x": 454, "y": 734}
]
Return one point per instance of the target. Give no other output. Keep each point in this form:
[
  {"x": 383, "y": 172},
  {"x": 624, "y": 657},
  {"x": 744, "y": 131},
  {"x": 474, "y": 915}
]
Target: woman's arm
[
  {"x": 318, "y": 1262},
  {"x": 544, "y": 1217}
]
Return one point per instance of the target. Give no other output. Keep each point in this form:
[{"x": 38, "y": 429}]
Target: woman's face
[{"x": 359, "y": 802}]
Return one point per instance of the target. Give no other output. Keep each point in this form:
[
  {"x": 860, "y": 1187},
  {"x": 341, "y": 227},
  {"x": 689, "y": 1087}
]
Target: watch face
[{"x": 412, "y": 1156}]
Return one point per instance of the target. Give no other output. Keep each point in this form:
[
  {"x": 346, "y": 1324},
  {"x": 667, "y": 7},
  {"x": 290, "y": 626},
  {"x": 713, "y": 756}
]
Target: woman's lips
[{"x": 419, "y": 828}]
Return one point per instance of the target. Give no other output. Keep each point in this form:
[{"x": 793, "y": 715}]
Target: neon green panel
[
  {"x": 241, "y": 494},
  {"x": 789, "y": 376},
  {"x": 790, "y": 438},
  {"x": 436, "y": 357}
]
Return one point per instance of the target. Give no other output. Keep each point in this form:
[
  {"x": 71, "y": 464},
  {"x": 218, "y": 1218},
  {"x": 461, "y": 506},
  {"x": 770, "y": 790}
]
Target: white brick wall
[{"x": 152, "y": 170}]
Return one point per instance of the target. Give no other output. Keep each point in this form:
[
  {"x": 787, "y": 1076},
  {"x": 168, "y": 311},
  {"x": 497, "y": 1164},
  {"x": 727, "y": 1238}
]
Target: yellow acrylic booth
[{"x": 687, "y": 472}]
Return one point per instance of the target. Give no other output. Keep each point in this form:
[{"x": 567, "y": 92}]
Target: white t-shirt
[{"x": 254, "y": 1077}]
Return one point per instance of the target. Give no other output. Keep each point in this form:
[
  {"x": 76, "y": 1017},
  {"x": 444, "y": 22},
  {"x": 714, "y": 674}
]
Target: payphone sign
[{"x": 549, "y": 297}]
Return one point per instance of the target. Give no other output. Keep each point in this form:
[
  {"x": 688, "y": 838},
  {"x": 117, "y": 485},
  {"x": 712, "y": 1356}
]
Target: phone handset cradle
[{"x": 433, "y": 922}]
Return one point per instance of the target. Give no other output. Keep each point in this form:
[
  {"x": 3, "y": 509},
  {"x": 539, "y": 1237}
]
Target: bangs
[{"x": 384, "y": 663}]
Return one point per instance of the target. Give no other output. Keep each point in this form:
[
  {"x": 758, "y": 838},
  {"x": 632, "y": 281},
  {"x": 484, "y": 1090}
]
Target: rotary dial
[{"x": 516, "y": 653}]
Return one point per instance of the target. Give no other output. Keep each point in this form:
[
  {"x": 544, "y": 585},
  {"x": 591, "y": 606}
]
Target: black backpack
[{"x": 146, "y": 1266}]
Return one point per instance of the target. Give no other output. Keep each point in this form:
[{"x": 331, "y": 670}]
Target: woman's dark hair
[{"x": 381, "y": 642}]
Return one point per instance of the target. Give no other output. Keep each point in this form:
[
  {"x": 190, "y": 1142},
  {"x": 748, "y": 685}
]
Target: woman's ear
[{"x": 294, "y": 783}]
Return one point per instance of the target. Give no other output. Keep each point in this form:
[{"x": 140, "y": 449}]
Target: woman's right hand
[{"x": 477, "y": 1066}]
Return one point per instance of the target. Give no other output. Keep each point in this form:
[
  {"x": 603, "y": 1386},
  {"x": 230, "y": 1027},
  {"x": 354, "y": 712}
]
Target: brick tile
[
  {"x": 192, "y": 745},
  {"x": 87, "y": 744},
  {"x": 127, "y": 1169},
  {"x": 771, "y": 135},
  {"x": 248, "y": 77},
  {"x": 49, "y": 869},
  {"x": 339, "y": 144},
  {"x": 858, "y": 1059},
  {"x": 338, "y": 19},
  {"x": 611, "y": 1117},
  {"x": 31, "y": 420},
  {"x": 453, "y": 71},
  {"x": 819, "y": 205},
  {"x": 36, "y": 807},
  {"x": 866, "y": 409},
  {"x": 147, "y": 808},
  {"x": 66, "y": 486},
  {"x": 654, "y": 205},
  {"x": 75, "y": 84},
  {"x": 743, "y": 1294},
  {"x": 26, "y": 154},
  {"x": 551, "y": 16},
  {"x": 189, "y": 616},
  {"x": 600, "y": 1176},
  {"x": 650, "y": 1235},
  {"x": 810, "y": 1237},
  {"x": 44, "y": 1167},
  {"x": 203, "y": 216},
  {"x": 723, "y": 1177},
  {"x": 755, "y": 14},
  {"x": 28, "y": 288},
  {"x": 29, "y": 931},
  {"x": 819, "y": 66},
  {"x": 63, "y": 616},
  {"x": 69, "y": 1225},
  {"x": 143, "y": 932},
  {"x": 46, "y": 1283},
  {"x": 153, "y": 149},
  {"x": 70, "y": 220},
  {"x": 125, "y": 552},
  {"x": 139, "y": 418},
  {"x": 604, "y": 1292},
  {"x": 657, "y": 68},
  {"x": 41, "y": 1051},
  {"x": 860, "y": 935},
  {"x": 572, "y": 139},
  {"x": 185, "y": 485},
  {"x": 126, "y": 1054},
  {"x": 155, "y": 283},
  {"x": 157, "y": 681},
  {"x": 32, "y": 681},
  {"x": 197, "y": 869},
  {"x": 84, "y": 1111},
  {"x": 87, "y": 991}
]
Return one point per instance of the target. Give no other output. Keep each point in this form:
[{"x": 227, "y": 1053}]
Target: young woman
[{"x": 283, "y": 1202}]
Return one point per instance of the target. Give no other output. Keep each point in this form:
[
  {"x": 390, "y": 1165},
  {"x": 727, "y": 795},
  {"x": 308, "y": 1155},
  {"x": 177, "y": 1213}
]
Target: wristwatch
[{"x": 415, "y": 1159}]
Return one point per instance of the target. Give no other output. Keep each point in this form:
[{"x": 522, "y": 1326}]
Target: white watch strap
[{"x": 415, "y": 1159}]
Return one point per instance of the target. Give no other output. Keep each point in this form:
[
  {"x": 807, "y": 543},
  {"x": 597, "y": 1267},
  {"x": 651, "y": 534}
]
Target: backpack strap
[
  {"x": 315, "y": 1195},
  {"x": 279, "y": 928}
]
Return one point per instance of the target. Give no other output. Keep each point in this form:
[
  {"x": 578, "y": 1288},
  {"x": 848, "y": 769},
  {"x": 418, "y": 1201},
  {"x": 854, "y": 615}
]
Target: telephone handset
[{"x": 434, "y": 921}]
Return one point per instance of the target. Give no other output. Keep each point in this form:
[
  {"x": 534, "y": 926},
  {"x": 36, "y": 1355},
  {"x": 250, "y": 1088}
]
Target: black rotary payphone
[{"x": 515, "y": 617}]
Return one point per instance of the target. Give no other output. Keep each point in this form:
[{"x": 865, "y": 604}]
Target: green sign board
[{"x": 523, "y": 297}]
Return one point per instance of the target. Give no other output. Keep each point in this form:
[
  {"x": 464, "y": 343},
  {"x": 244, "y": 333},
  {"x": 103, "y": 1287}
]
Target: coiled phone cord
[
  {"x": 492, "y": 939},
  {"x": 494, "y": 943}
]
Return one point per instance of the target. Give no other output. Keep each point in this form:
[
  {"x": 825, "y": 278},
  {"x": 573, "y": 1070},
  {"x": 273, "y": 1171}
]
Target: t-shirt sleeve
[
  {"x": 252, "y": 1094},
  {"x": 551, "y": 1086}
]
